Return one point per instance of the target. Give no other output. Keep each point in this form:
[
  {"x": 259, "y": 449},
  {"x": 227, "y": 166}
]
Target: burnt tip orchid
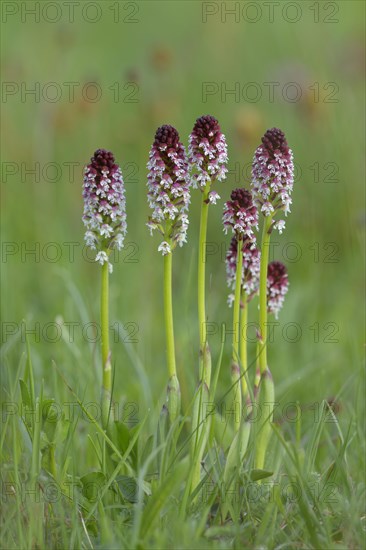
[
  {"x": 250, "y": 270},
  {"x": 168, "y": 184},
  {"x": 240, "y": 214},
  {"x": 277, "y": 286},
  {"x": 273, "y": 175},
  {"x": 208, "y": 154},
  {"x": 104, "y": 205}
]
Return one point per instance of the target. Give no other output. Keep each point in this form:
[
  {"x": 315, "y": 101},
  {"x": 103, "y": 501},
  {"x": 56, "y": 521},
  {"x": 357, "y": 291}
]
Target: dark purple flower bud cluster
[
  {"x": 273, "y": 175},
  {"x": 240, "y": 214},
  {"x": 104, "y": 205},
  {"x": 251, "y": 267},
  {"x": 277, "y": 287},
  {"x": 208, "y": 153},
  {"x": 168, "y": 188}
]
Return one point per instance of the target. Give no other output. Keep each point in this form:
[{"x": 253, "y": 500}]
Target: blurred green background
[{"x": 151, "y": 62}]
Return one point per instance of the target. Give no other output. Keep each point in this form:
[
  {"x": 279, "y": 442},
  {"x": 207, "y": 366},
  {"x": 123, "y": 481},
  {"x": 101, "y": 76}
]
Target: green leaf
[
  {"x": 50, "y": 419},
  {"x": 147, "y": 449},
  {"x": 29, "y": 377},
  {"x": 161, "y": 496},
  {"x": 26, "y": 397},
  {"x": 313, "y": 445},
  {"x": 123, "y": 436},
  {"x": 128, "y": 487},
  {"x": 265, "y": 534},
  {"x": 36, "y": 438},
  {"x": 237, "y": 451},
  {"x": 255, "y": 475},
  {"x": 92, "y": 485}
]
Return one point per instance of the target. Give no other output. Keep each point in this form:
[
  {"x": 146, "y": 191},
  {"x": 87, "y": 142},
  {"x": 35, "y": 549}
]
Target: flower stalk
[
  {"x": 208, "y": 156},
  {"x": 105, "y": 221},
  {"x": 204, "y": 373},
  {"x": 243, "y": 344},
  {"x": 106, "y": 356},
  {"x": 262, "y": 341},
  {"x": 235, "y": 367},
  {"x": 168, "y": 314},
  {"x": 249, "y": 288},
  {"x": 173, "y": 390},
  {"x": 272, "y": 184},
  {"x": 169, "y": 196},
  {"x": 240, "y": 216}
]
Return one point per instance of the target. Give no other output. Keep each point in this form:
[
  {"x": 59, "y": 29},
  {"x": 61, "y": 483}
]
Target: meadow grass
[{"x": 130, "y": 488}]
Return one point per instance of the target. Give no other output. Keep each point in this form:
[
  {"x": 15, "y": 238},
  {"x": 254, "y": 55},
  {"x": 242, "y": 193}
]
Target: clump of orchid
[{"x": 172, "y": 173}]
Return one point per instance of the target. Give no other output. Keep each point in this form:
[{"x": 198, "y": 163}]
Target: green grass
[{"x": 315, "y": 496}]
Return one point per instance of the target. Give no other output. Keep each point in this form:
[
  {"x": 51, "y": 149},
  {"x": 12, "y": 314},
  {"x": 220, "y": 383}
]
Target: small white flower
[
  {"x": 91, "y": 239},
  {"x": 267, "y": 208},
  {"x": 213, "y": 197},
  {"x": 106, "y": 230},
  {"x": 101, "y": 257},
  {"x": 119, "y": 239},
  {"x": 280, "y": 225},
  {"x": 164, "y": 248}
]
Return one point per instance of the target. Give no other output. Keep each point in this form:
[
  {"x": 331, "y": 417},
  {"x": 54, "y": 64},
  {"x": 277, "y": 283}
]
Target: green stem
[
  {"x": 236, "y": 308},
  {"x": 106, "y": 360},
  {"x": 262, "y": 344},
  {"x": 52, "y": 460},
  {"x": 243, "y": 343},
  {"x": 264, "y": 388},
  {"x": 202, "y": 275},
  {"x": 235, "y": 369},
  {"x": 168, "y": 314}
]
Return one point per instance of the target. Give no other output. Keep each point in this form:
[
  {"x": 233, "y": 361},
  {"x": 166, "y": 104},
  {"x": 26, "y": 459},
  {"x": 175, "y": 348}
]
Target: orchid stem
[
  {"x": 243, "y": 343},
  {"x": 168, "y": 315},
  {"x": 106, "y": 360},
  {"x": 262, "y": 343},
  {"x": 235, "y": 368},
  {"x": 173, "y": 389},
  {"x": 202, "y": 282}
]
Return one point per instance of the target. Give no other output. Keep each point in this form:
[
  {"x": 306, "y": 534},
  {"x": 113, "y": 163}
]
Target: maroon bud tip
[
  {"x": 243, "y": 197},
  {"x": 277, "y": 271},
  {"x": 206, "y": 126},
  {"x": 275, "y": 140},
  {"x": 102, "y": 160},
  {"x": 166, "y": 135}
]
